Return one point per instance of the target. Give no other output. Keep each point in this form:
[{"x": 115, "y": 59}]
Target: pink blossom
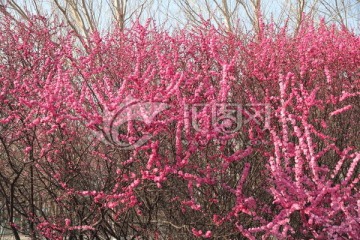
[{"x": 341, "y": 110}]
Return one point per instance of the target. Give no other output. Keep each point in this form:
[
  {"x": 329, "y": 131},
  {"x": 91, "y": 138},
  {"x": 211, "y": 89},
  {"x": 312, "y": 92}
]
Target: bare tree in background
[
  {"x": 344, "y": 12},
  {"x": 225, "y": 13},
  {"x": 231, "y": 15},
  {"x": 341, "y": 11},
  {"x": 82, "y": 16}
]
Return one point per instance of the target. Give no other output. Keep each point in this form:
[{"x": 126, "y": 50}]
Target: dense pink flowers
[{"x": 137, "y": 134}]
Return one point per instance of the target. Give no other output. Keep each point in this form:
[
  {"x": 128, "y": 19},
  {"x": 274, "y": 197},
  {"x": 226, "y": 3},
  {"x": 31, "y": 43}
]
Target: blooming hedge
[{"x": 143, "y": 134}]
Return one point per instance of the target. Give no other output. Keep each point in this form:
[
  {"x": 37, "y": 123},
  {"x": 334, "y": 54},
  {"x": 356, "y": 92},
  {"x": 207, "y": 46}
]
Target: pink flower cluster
[{"x": 102, "y": 140}]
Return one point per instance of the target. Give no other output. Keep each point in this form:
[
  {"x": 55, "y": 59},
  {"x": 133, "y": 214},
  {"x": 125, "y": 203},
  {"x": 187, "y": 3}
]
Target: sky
[{"x": 168, "y": 14}]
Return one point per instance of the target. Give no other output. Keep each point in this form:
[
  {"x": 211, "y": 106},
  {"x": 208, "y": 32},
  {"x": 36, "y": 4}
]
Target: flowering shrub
[{"x": 195, "y": 134}]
